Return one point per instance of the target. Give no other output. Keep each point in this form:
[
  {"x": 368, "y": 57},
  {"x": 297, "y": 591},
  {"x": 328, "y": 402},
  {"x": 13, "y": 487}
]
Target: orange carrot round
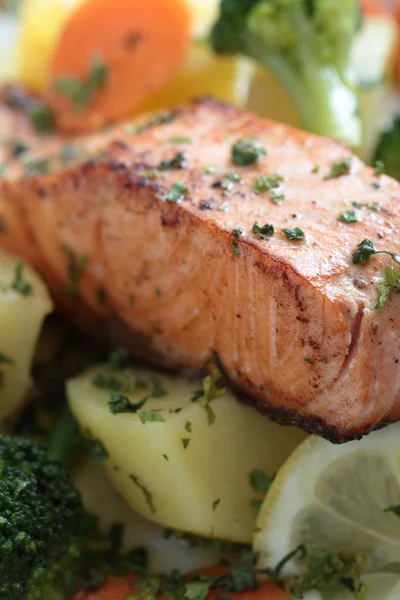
[
  {"x": 120, "y": 589},
  {"x": 374, "y": 7},
  {"x": 111, "y": 55}
]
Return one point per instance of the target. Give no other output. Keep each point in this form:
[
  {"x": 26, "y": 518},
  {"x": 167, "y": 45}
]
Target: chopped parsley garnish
[
  {"x": 188, "y": 426},
  {"x": 75, "y": 267},
  {"x": 81, "y": 92},
  {"x": 19, "y": 284},
  {"x": 263, "y": 230},
  {"x": 227, "y": 183},
  {"x": 165, "y": 456},
  {"x": 150, "y": 416},
  {"x": 42, "y": 117},
  {"x": 119, "y": 357},
  {"x": 372, "y": 207},
  {"x": 158, "y": 119},
  {"x": 100, "y": 295},
  {"x": 266, "y": 183},
  {"x": 6, "y": 360},
  {"x": 390, "y": 285},
  {"x": 210, "y": 170},
  {"x": 107, "y": 382},
  {"x": 315, "y": 169},
  {"x": 216, "y": 503},
  {"x": 379, "y": 168},
  {"x": 185, "y": 443},
  {"x": 40, "y": 166},
  {"x": 97, "y": 450},
  {"x": 236, "y": 233},
  {"x": 247, "y": 151},
  {"x": 179, "y": 140},
  {"x": 148, "y": 496},
  {"x": 158, "y": 391},
  {"x": 177, "y": 162},
  {"x": 68, "y": 153},
  {"x": 366, "y": 249},
  {"x": 223, "y": 207},
  {"x": 295, "y": 234},
  {"x": 348, "y": 216},
  {"x": 393, "y": 509},
  {"x": 210, "y": 391},
  {"x": 339, "y": 168},
  {"x": 260, "y": 481},
  {"x": 158, "y": 292},
  {"x": 308, "y": 360},
  {"x": 177, "y": 192},
  {"x": 17, "y": 148},
  {"x": 119, "y": 403}
]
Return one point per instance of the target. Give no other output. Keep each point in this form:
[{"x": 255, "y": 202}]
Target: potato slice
[
  {"x": 188, "y": 470},
  {"x": 21, "y": 319}
]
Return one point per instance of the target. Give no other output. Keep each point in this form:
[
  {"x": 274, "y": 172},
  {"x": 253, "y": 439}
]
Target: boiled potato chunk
[
  {"x": 182, "y": 471},
  {"x": 21, "y": 319}
]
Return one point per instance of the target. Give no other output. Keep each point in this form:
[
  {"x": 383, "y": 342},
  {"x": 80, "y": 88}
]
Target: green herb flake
[
  {"x": 19, "y": 284},
  {"x": 263, "y": 230},
  {"x": 348, "y": 216},
  {"x": 158, "y": 292},
  {"x": 158, "y": 119},
  {"x": 387, "y": 287},
  {"x": 210, "y": 391},
  {"x": 393, "y": 509},
  {"x": 315, "y": 169},
  {"x": 373, "y": 207},
  {"x": 260, "y": 481},
  {"x": 177, "y": 192},
  {"x": 68, "y": 153},
  {"x": 119, "y": 404},
  {"x": 75, "y": 266},
  {"x": 82, "y": 92},
  {"x": 179, "y": 139},
  {"x": 6, "y": 360},
  {"x": 185, "y": 443},
  {"x": 227, "y": 183},
  {"x": 308, "y": 360},
  {"x": 236, "y": 233},
  {"x": 339, "y": 169},
  {"x": 216, "y": 503},
  {"x": 188, "y": 426},
  {"x": 224, "y": 207},
  {"x": 210, "y": 170},
  {"x": 295, "y": 234},
  {"x": 247, "y": 151},
  {"x": 148, "y": 496},
  {"x": 366, "y": 249},
  {"x": 17, "y": 148},
  {"x": 177, "y": 162},
  {"x": 266, "y": 183},
  {"x": 150, "y": 416},
  {"x": 106, "y": 382},
  {"x": 379, "y": 168},
  {"x": 158, "y": 391},
  {"x": 42, "y": 117},
  {"x": 40, "y": 166},
  {"x": 165, "y": 457},
  {"x": 97, "y": 450}
]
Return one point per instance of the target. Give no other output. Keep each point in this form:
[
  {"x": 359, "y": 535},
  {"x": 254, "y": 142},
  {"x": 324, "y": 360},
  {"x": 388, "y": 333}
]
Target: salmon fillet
[{"x": 293, "y": 322}]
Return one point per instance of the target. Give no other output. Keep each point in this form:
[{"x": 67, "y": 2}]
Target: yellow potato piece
[
  {"x": 200, "y": 485},
  {"x": 21, "y": 319}
]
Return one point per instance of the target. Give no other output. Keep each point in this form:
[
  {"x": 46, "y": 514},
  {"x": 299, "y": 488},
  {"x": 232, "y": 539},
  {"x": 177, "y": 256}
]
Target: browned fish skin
[{"x": 293, "y": 323}]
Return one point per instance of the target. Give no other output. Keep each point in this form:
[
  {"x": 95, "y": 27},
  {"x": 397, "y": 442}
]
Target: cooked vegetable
[
  {"x": 388, "y": 150},
  {"x": 112, "y": 55},
  {"x": 165, "y": 480},
  {"x": 307, "y": 45},
  {"x": 42, "y": 526},
  {"x": 24, "y": 303}
]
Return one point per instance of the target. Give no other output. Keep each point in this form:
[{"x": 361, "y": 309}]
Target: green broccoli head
[
  {"x": 388, "y": 150},
  {"x": 42, "y": 525},
  {"x": 307, "y": 43}
]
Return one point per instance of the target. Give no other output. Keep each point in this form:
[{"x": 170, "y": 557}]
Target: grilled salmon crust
[{"x": 293, "y": 322}]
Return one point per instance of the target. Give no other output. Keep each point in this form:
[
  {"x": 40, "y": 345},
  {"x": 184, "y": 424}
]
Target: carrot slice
[
  {"x": 111, "y": 55},
  {"x": 120, "y": 589},
  {"x": 374, "y": 7}
]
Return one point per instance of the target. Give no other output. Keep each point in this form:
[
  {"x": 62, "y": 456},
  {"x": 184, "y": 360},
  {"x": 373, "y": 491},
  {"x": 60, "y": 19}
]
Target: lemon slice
[{"x": 335, "y": 497}]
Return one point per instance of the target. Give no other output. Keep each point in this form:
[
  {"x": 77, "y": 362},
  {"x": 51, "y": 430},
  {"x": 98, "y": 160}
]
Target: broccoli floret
[
  {"x": 307, "y": 44},
  {"x": 42, "y": 525},
  {"x": 387, "y": 151}
]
